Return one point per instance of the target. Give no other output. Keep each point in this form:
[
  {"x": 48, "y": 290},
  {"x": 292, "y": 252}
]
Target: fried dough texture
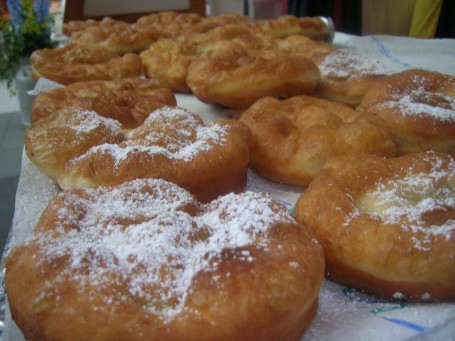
[
  {"x": 293, "y": 138},
  {"x": 146, "y": 261},
  {"x": 419, "y": 107},
  {"x": 79, "y": 148},
  {"x": 387, "y": 226}
]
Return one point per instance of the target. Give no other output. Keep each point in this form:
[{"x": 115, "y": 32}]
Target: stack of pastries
[{"x": 154, "y": 237}]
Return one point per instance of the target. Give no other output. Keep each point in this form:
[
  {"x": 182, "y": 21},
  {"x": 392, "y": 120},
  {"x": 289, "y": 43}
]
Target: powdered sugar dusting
[
  {"x": 420, "y": 99},
  {"x": 85, "y": 121},
  {"x": 410, "y": 200},
  {"x": 170, "y": 132},
  {"x": 162, "y": 247},
  {"x": 347, "y": 65}
]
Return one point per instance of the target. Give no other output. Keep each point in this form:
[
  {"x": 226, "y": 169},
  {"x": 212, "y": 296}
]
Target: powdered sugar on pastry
[
  {"x": 418, "y": 106},
  {"x": 183, "y": 140},
  {"x": 85, "y": 121},
  {"x": 420, "y": 101},
  {"x": 346, "y": 65},
  {"x": 389, "y": 226},
  {"x": 162, "y": 248},
  {"x": 80, "y": 148},
  {"x": 410, "y": 200}
]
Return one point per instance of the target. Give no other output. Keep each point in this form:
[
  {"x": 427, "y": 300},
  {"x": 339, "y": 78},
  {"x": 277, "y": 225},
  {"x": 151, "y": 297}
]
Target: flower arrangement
[{"x": 26, "y": 28}]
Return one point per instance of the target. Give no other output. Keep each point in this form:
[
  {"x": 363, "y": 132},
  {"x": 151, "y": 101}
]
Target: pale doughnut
[
  {"x": 387, "y": 226},
  {"x": 419, "y": 107},
  {"x": 129, "y": 101},
  {"x": 79, "y": 148},
  {"x": 146, "y": 261},
  {"x": 75, "y": 63},
  {"x": 291, "y": 139}
]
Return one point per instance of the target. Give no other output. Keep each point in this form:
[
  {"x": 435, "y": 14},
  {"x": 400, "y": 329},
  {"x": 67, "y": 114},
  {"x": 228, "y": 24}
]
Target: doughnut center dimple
[{"x": 414, "y": 202}]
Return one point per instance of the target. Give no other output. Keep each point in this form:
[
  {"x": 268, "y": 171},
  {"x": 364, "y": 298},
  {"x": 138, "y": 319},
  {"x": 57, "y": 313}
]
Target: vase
[{"x": 24, "y": 83}]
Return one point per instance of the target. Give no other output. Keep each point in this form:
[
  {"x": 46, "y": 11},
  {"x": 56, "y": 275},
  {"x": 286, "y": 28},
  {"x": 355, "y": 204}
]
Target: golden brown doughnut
[
  {"x": 346, "y": 76},
  {"x": 129, "y": 101},
  {"x": 146, "y": 261},
  {"x": 216, "y": 22},
  {"x": 387, "y": 226},
  {"x": 229, "y": 37},
  {"x": 121, "y": 38},
  {"x": 303, "y": 46},
  {"x": 169, "y": 23},
  {"x": 419, "y": 107},
  {"x": 79, "y": 148},
  {"x": 239, "y": 81},
  {"x": 286, "y": 25},
  {"x": 166, "y": 60},
  {"x": 291, "y": 139},
  {"x": 75, "y": 63},
  {"x": 264, "y": 45},
  {"x": 169, "y": 59},
  {"x": 256, "y": 43},
  {"x": 68, "y": 28}
]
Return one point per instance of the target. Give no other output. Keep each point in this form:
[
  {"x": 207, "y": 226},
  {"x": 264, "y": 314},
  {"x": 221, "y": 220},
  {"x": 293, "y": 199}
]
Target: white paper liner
[{"x": 402, "y": 53}]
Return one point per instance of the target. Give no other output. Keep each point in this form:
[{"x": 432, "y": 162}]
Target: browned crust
[
  {"x": 241, "y": 81},
  {"x": 291, "y": 139},
  {"x": 129, "y": 101},
  {"x": 74, "y": 63},
  {"x": 55, "y": 148},
  {"x": 385, "y": 260},
  {"x": 415, "y": 133},
  {"x": 273, "y": 297}
]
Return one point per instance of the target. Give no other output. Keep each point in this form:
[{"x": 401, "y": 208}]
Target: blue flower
[
  {"x": 16, "y": 12},
  {"x": 29, "y": 16},
  {"x": 42, "y": 11}
]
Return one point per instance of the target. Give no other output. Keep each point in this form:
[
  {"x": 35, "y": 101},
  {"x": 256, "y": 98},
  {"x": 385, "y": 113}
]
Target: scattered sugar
[
  {"x": 347, "y": 65},
  {"x": 162, "y": 248},
  {"x": 406, "y": 201}
]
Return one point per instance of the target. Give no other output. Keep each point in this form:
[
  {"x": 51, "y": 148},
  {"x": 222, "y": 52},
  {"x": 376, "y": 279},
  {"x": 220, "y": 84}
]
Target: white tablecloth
[{"x": 343, "y": 314}]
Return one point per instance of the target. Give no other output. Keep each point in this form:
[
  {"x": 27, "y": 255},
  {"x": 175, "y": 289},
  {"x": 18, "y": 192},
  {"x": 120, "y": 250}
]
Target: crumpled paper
[{"x": 343, "y": 314}]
